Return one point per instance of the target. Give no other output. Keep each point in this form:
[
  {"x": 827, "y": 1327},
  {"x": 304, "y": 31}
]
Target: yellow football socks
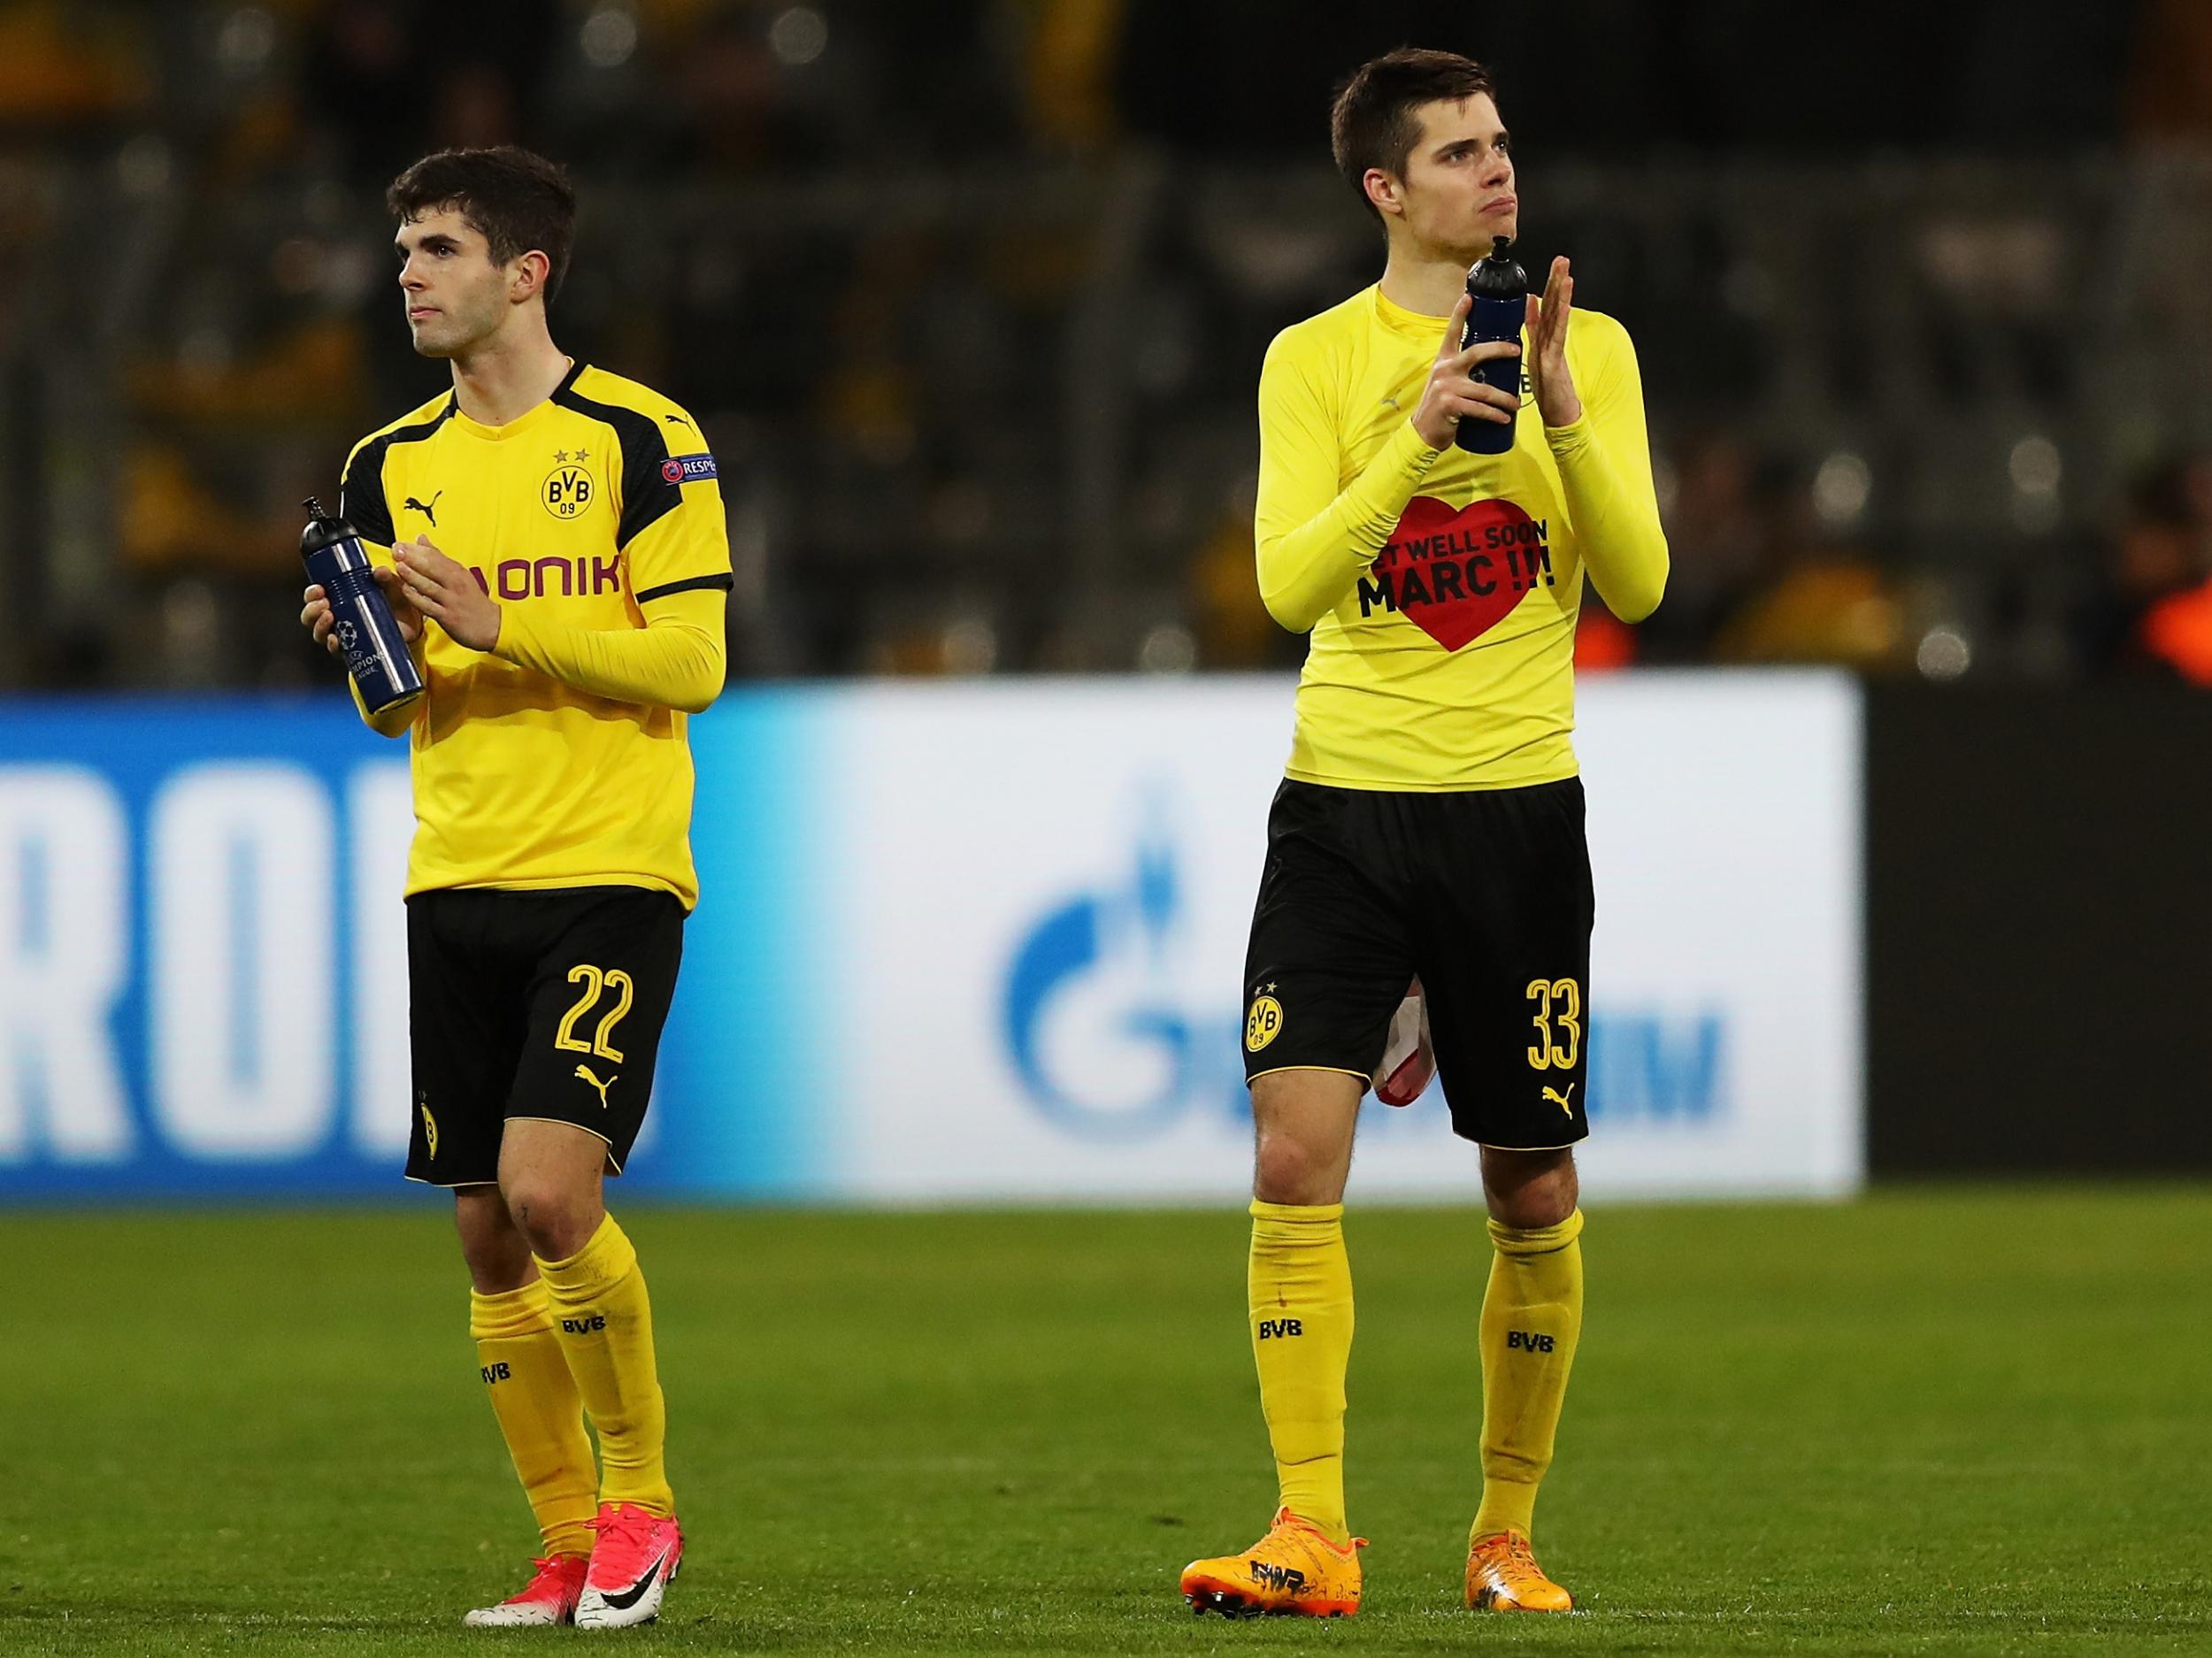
[
  {"x": 534, "y": 1398},
  {"x": 606, "y": 1330},
  {"x": 1530, "y": 1318},
  {"x": 1300, "y": 1292}
]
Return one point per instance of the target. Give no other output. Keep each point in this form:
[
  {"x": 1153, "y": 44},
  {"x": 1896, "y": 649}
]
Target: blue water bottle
[
  {"x": 1497, "y": 294},
  {"x": 368, "y": 634}
]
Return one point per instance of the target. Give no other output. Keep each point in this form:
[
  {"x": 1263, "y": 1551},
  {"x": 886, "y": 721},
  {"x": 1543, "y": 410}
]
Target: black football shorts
[
  {"x": 1484, "y": 894},
  {"x": 533, "y": 1004}
]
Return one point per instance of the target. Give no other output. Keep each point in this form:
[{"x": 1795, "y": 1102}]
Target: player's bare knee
[
  {"x": 1530, "y": 1189},
  {"x": 1303, "y": 1124},
  {"x": 557, "y": 1221},
  {"x": 1286, "y": 1169}
]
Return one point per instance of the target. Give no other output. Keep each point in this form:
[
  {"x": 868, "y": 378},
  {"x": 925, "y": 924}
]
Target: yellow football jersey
[
  {"x": 1442, "y": 588},
  {"x": 584, "y": 518}
]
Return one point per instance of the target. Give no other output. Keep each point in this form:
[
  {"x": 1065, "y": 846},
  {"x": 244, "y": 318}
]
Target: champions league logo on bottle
[{"x": 368, "y": 636}]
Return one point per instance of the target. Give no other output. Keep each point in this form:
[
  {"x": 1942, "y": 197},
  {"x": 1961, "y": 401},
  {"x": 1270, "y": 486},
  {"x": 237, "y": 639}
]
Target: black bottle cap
[
  {"x": 322, "y": 529},
  {"x": 1497, "y": 275}
]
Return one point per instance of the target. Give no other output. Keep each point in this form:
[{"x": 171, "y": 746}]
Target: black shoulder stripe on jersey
[
  {"x": 647, "y": 493},
  {"x": 361, "y": 494},
  {"x": 725, "y": 581}
]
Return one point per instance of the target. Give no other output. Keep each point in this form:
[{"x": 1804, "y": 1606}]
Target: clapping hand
[{"x": 1547, "y": 321}]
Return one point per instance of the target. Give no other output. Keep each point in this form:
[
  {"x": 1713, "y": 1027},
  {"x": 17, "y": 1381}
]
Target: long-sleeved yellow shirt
[
  {"x": 558, "y": 759},
  {"x": 1441, "y": 587}
]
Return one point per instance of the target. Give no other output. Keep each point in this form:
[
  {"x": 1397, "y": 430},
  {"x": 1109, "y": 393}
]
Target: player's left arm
[
  {"x": 1597, "y": 435},
  {"x": 677, "y": 544},
  {"x": 677, "y": 660}
]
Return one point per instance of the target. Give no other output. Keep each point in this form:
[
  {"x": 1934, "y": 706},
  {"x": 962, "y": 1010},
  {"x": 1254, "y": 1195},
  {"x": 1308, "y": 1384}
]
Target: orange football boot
[
  {"x": 1502, "y": 1576},
  {"x": 1294, "y": 1571}
]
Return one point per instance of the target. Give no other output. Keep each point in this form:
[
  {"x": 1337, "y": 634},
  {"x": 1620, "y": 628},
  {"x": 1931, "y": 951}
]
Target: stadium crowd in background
[{"x": 970, "y": 297}]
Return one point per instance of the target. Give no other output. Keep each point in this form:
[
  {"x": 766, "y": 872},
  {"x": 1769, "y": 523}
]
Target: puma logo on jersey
[
  {"x": 585, "y": 1071},
  {"x": 429, "y": 511},
  {"x": 1564, "y": 1102}
]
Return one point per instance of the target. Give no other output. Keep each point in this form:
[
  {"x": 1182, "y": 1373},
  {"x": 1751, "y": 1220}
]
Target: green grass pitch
[{"x": 1939, "y": 1421}]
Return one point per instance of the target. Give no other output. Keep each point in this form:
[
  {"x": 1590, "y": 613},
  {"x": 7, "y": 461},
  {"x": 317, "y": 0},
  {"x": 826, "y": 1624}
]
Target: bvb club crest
[
  {"x": 1263, "y": 1024},
  {"x": 568, "y": 488}
]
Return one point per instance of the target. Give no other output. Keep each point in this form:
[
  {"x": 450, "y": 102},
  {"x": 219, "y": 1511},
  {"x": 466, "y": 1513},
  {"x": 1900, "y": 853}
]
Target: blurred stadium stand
[{"x": 971, "y": 298}]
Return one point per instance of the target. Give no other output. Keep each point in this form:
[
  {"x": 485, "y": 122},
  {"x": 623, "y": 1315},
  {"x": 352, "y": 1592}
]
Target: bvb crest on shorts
[{"x": 1263, "y": 1023}]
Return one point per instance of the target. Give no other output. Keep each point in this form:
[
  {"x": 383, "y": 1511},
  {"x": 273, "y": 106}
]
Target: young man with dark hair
[
  {"x": 1431, "y": 826},
  {"x": 552, "y": 541}
]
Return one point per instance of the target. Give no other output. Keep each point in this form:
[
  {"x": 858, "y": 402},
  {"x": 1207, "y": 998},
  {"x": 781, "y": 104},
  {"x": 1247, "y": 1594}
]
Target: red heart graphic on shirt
[{"x": 1454, "y": 572}]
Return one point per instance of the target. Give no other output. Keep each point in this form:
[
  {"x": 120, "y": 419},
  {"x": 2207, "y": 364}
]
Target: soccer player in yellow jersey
[
  {"x": 552, "y": 540},
  {"x": 1432, "y": 823}
]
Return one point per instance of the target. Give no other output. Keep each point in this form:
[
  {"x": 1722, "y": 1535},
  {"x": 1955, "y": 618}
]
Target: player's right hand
[
  {"x": 1453, "y": 392},
  {"x": 316, "y": 618},
  {"x": 315, "y": 614}
]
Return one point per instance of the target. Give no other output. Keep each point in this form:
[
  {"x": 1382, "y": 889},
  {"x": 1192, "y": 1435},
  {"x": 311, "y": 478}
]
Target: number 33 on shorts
[{"x": 1558, "y": 1021}]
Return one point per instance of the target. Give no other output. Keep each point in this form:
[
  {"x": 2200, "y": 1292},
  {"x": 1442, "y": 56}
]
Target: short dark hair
[
  {"x": 1373, "y": 123},
  {"x": 516, "y": 199}
]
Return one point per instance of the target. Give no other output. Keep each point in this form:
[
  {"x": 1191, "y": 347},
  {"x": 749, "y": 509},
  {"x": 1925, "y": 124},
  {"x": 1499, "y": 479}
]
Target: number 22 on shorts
[{"x": 594, "y": 981}]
